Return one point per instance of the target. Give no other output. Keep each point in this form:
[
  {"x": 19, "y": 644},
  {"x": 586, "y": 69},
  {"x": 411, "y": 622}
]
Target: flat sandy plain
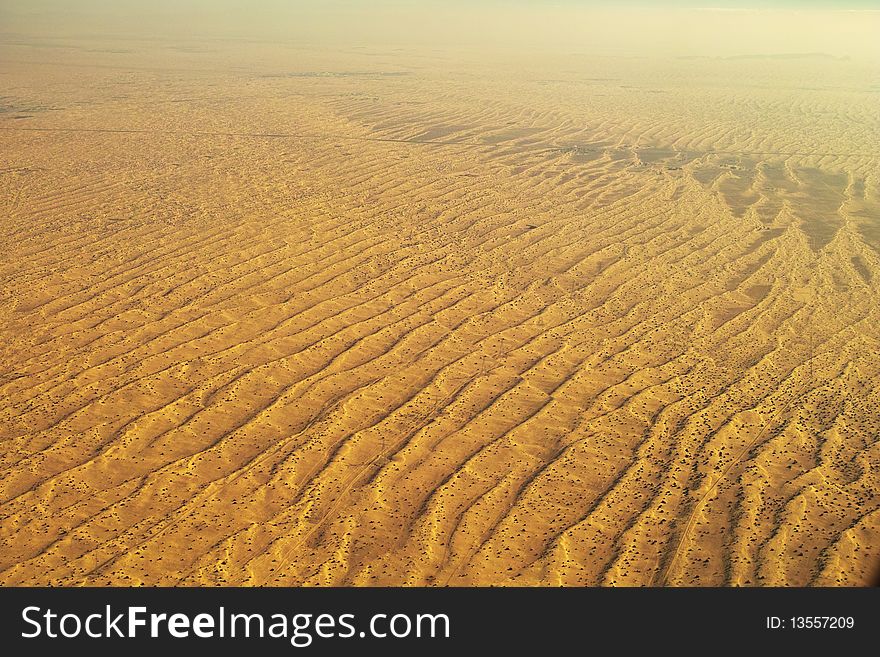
[{"x": 283, "y": 316}]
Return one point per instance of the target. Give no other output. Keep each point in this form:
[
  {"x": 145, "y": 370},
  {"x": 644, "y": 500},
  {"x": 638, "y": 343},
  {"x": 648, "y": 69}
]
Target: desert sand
[{"x": 289, "y": 316}]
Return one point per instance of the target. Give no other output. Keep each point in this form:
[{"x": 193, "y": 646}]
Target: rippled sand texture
[{"x": 289, "y": 317}]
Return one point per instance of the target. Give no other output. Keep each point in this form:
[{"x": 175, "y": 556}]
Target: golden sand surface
[{"x": 280, "y": 316}]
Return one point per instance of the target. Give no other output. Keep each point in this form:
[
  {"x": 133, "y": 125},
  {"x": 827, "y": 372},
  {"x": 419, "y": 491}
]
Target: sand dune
[{"x": 379, "y": 320}]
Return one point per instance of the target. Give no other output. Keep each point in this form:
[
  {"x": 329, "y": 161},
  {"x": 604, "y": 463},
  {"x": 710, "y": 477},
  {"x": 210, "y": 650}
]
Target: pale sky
[{"x": 631, "y": 27}]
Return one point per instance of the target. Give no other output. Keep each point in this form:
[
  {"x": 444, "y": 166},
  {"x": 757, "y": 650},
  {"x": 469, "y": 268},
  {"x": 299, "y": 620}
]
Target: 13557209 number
[{"x": 822, "y": 622}]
